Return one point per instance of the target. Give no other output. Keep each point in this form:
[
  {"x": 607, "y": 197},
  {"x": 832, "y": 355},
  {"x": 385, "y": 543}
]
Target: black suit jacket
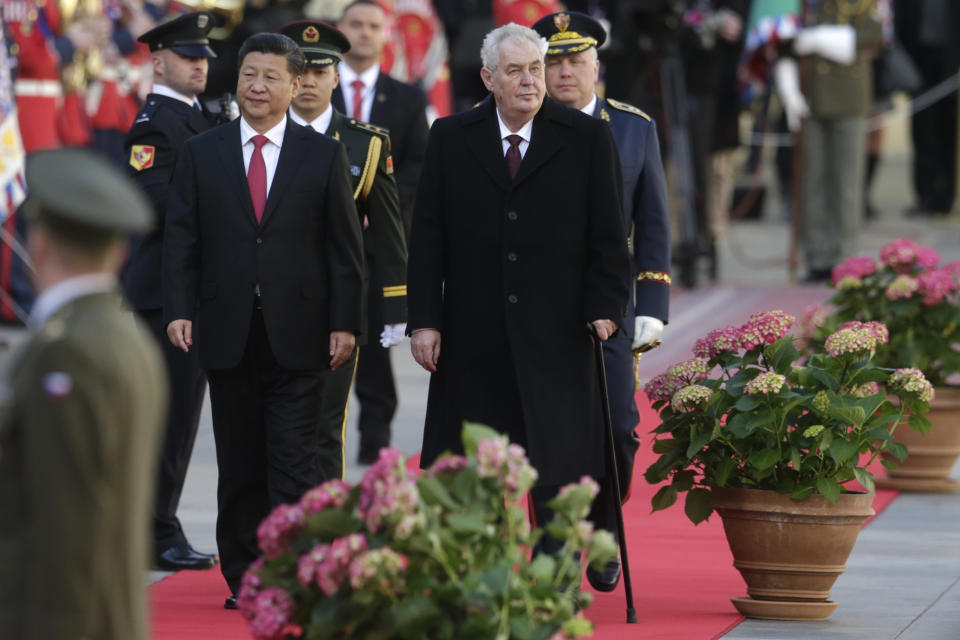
[
  {"x": 511, "y": 272},
  {"x": 401, "y": 108},
  {"x": 306, "y": 254}
]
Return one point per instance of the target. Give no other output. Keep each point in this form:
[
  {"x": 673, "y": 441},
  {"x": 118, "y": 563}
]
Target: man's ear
[
  {"x": 295, "y": 89},
  {"x": 487, "y": 76}
]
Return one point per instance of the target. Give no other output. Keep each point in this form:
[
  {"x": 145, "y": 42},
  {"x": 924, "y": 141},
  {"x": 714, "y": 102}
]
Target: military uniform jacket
[
  {"x": 82, "y": 407},
  {"x": 510, "y": 272},
  {"x": 835, "y": 90},
  {"x": 151, "y": 146},
  {"x": 375, "y": 191},
  {"x": 645, "y": 210}
]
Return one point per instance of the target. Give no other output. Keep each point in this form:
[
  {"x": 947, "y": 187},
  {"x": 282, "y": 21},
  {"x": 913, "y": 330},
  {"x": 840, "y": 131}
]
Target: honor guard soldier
[
  {"x": 572, "y": 71},
  {"x": 180, "y": 51},
  {"x": 378, "y": 203},
  {"x": 81, "y": 409}
]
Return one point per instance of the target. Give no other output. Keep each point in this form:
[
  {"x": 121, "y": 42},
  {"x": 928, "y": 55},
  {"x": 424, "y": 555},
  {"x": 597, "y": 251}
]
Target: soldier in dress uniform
[
  {"x": 81, "y": 408},
  {"x": 378, "y": 202},
  {"x": 571, "y": 74},
  {"x": 172, "y": 114}
]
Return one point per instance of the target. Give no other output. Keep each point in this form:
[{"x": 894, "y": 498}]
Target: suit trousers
[
  {"x": 834, "y": 160},
  {"x": 265, "y": 429},
  {"x": 187, "y": 385},
  {"x": 333, "y": 417}
]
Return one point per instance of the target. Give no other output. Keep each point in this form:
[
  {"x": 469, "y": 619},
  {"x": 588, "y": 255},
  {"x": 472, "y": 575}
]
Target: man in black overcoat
[{"x": 505, "y": 273}]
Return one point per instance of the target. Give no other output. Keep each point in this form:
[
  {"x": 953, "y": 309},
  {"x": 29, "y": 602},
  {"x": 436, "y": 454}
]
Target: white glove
[
  {"x": 393, "y": 334},
  {"x": 786, "y": 78},
  {"x": 837, "y": 42},
  {"x": 646, "y": 330}
]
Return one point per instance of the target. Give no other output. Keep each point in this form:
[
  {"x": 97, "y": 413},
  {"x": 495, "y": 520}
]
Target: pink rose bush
[
  {"x": 748, "y": 411},
  {"x": 908, "y": 291},
  {"x": 442, "y": 554}
]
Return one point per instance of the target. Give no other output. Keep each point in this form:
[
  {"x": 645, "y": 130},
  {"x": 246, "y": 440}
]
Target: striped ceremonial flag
[{"x": 11, "y": 147}]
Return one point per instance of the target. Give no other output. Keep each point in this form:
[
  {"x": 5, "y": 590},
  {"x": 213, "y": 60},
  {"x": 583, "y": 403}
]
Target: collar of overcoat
[
  {"x": 483, "y": 140},
  {"x": 291, "y": 157}
]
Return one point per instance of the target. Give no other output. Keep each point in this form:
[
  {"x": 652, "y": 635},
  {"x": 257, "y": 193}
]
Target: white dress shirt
[
  {"x": 53, "y": 298},
  {"x": 320, "y": 124},
  {"x": 270, "y": 151},
  {"x": 525, "y": 132},
  {"x": 369, "y": 77},
  {"x": 164, "y": 90},
  {"x": 590, "y": 106}
]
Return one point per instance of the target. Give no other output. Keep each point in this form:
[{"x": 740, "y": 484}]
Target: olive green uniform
[{"x": 375, "y": 190}]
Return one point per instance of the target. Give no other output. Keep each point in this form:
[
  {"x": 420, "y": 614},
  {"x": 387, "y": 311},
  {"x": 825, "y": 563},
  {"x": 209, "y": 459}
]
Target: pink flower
[
  {"x": 491, "y": 456},
  {"x": 934, "y": 285},
  {"x": 865, "y": 390},
  {"x": 310, "y": 562},
  {"x": 250, "y": 586},
  {"x": 381, "y": 568},
  {"x": 386, "y": 491},
  {"x": 585, "y": 481},
  {"x": 725, "y": 340},
  {"x": 914, "y": 381},
  {"x": 953, "y": 267},
  {"x": 903, "y": 286},
  {"x": 278, "y": 528},
  {"x": 662, "y": 387},
  {"x": 813, "y": 317},
  {"x": 927, "y": 258},
  {"x": 332, "y": 493},
  {"x": 765, "y": 383},
  {"x": 878, "y": 329},
  {"x": 899, "y": 255},
  {"x": 850, "y": 272},
  {"x": 852, "y": 340},
  {"x": 691, "y": 371},
  {"x": 765, "y": 327},
  {"x": 449, "y": 463},
  {"x": 690, "y": 397},
  {"x": 269, "y": 619}
]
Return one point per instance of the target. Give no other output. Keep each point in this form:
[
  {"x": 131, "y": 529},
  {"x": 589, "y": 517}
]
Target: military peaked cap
[
  {"x": 321, "y": 43},
  {"x": 85, "y": 190},
  {"x": 185, "y": 35},
  {"x": 570, "y": 32}
]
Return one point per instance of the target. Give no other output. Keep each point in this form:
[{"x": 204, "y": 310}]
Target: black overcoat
[{"x": 511, "y": 272}]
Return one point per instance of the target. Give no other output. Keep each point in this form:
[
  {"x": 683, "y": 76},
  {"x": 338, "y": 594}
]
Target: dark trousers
[
  {"x": 374, "y": 386},
  {"x": 265, "y": 428},
  {"x": 187, "y": 384},
  {"x": 333, "y": 416}
]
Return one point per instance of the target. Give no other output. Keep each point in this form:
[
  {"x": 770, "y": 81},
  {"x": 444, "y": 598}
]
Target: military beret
[
  {"x": 321, "y": 43},
  {"x": 85, "y": 190},
  {"x": 186, "y": 35},
  {"x": 570, "y": 32}
]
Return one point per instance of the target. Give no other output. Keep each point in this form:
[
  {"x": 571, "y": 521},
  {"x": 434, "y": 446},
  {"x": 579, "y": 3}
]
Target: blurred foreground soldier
[
  {"x": 517, "y": 244},
  {"x": 82, "y": 408},
  {"x": 371, "y": 169},
  {"x": 572, "y": 71},
  {"x": 179, "y": 51},
  {"x": 263, "y": 270},
  {"x": 837, "y": 43},
  {"x": 367, "y": 94}
]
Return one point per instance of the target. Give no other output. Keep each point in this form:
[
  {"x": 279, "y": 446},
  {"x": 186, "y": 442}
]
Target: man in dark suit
[
  {"x": 375, "y": 191},
  {"x": 572, "y": 70},
  {"x": 517, "y": 245},
  {"x": 172, "y": 114},
  {"x": 82, "y": 404},
  {"x": 263, "y": 269},
  {"x": 367, "y": 95}
]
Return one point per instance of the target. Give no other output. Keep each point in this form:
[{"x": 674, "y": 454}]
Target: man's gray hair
[{"x": 490, "y": 51}]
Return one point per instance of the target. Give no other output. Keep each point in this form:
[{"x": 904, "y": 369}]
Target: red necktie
[
  {"x": 257, "y": 177},
  {"x": 513, "y": 154},
  {"x": 357, "y": 99}
]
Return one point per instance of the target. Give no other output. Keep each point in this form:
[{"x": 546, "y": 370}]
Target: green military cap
[
  {"x": 321, "y": 43},
  {"x": 569, "y": 32},
  {"x": 84, "y": 190},
  {"x": 185, "y": 35}
]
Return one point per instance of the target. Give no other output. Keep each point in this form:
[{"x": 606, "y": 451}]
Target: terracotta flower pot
[
  {"x": 930, "y": 456},
  {"x": 789, "y": 552}
]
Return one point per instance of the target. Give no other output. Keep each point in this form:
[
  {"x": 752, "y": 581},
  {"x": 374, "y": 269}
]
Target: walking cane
[{"x": 612, "y": 455}]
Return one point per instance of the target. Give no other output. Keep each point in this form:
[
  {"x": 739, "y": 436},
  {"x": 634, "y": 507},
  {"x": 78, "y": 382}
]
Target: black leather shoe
[
  {"x": 606, "y": 580},
  {"x": 184, "y": 557},
  {"x": 230, "y": 602}
]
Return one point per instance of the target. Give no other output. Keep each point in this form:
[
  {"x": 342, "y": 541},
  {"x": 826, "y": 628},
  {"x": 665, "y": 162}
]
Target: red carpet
[{"x": 683, "y": 578}]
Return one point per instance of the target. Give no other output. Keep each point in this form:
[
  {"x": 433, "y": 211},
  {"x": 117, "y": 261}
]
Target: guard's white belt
[{"x": 37, "y": 88}]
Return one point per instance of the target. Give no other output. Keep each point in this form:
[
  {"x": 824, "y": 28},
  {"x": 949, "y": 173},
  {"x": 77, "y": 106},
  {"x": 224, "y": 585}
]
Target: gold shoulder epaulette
[
  {"x": 370, "y": 128},
  {"x": 629, "y": 108}
]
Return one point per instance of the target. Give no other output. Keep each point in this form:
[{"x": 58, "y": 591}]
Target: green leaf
[
  {"x": 841, "y": 451},
  {"x": 521, "y": 627},
  {"x": 781, "y": 354},
  {"x": 744, "y": 424},
  {"x": 663, "y": 498},
  {"x": 763, "y": 459},
  {"x": 801, "y": 492},
  {"x": 854, "y": 415},
  {"x": 828, "y": 488},
  {"x": 543, "y": 568},
  {"x": 698, "y": 505},
  {"x": 723, "y": 470},
  {"x": 433, "y": 492},
  {"x": 414, "y": 613},
  {"x": 698, "y": 442},
  {"x": 865, "y": 478},
  {"x": 473, "y": 433},
  {"x": 747, "y": 403},
  {"x": 919, "y": 423},
  {"x": 332, "y": 523},
  {"x": 898, "y": 450},
  {"x": 470, "y": 522},
  {"x": 889, "y": 465},
  {"x": 795, "y": 458},
  {"x": 663, "y": 445}
]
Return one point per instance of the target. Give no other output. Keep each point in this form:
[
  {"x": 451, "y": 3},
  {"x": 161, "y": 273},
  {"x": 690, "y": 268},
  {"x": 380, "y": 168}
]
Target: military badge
[
  {"x": 355, "y": 171},
  {"x": 389, "y": 165},
  {"x": 310, "y": 34},
  {"x": 202, "y": 21},
  {"x": 561, "y": 21},
  {"x": 142, "y": 156}
]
